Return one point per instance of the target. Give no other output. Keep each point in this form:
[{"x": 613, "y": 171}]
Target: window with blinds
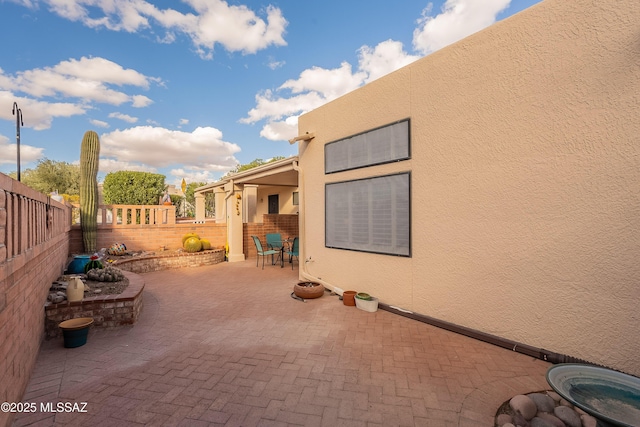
[
  {"x": 370, "y": 215},
  {"x": 386, "y": 144}
]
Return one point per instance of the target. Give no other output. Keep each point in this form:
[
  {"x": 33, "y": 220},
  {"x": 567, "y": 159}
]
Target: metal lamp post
[{"x": 18, "y": 113}]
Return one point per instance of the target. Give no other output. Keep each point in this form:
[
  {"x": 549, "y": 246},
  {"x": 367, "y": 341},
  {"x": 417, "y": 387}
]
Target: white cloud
[
  {"x": 37, "y": 114},
  {"x": 274, "y": 65},
  {"x": 140, "y": 101},
  {"x": 236, "y": 27},
  {"x": 330, "y": 83},
  {"x": 458, "y": 19},
  {"x": 99, "y": 123},
  {"x": 31, "y": 4},
  {"x": 156, "y": 147},
  {"x": 176, "y": 176},
  {"x": 113, "y": 165},
  {"x": 385, "y": 58},
  {"x": 279, "y": 130},
  {"x": 316, "y": 86},
  {"x": 9, "y": 154},
  {"x": 87, "y": 79},
  {"x": 102, "y": 70},
  {"x": 127, "y": 118},
  {"x": 184, "y": 121},
  {"x": 272, "y": 107}
]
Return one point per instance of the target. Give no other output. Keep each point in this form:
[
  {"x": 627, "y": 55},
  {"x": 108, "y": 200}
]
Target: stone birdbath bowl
[{"x": 613, "y": 398}]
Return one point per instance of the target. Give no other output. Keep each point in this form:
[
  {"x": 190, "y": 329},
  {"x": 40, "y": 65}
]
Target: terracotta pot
[
  {"x": 349, "y": 298},
  {"x": 308, "y": 290}
]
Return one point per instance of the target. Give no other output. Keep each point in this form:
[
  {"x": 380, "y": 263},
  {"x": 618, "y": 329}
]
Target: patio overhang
[{"x": 279, "y": 173}]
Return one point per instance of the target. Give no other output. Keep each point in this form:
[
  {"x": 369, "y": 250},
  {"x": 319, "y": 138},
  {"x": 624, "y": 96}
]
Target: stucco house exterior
[{"x": 494, "y": 184}]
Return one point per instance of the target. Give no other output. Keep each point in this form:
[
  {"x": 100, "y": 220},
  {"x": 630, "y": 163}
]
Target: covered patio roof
[{"x": 281, "y": 172}]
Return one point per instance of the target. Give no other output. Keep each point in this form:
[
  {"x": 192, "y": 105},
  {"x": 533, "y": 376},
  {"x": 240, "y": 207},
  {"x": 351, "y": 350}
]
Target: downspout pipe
[
  {"x": 539, "y": 353},
  {"x": 226, "y": 216},
  {"x": 304, "y": 273}
]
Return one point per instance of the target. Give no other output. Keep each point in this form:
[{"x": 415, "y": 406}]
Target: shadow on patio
[{"x": 227, "y": 345}]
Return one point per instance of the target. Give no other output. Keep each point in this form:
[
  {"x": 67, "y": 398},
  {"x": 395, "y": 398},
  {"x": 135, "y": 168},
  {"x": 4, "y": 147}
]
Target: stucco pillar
[
  {"x": 234, "y": 223},
  {"x": 220, "y": 208},
  {"x": 250, "y": 203},
  {"x": 200, "y": 211}
]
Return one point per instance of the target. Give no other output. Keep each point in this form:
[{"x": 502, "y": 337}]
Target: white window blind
[
  {"x": 370, "y": 215},
  {"x": 382, "y": 145}
]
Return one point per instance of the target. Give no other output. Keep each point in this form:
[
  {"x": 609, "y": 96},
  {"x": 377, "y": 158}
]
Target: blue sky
[{"x": 189, "y": 89}]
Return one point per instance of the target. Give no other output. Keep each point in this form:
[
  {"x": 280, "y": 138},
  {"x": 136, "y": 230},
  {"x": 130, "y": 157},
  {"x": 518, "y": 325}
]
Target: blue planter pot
[
  {"x": 75, "y": 331},
  {"x": 77, "y": 265}
]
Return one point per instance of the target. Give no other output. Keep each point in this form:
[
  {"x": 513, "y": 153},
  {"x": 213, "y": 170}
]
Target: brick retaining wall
[
  {"x": 107, "y": 311},
  {"x": 161, "y": 261}
]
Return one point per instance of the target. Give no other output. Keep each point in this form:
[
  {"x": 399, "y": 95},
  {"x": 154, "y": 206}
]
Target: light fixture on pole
[{"x": 18, "y": 113}]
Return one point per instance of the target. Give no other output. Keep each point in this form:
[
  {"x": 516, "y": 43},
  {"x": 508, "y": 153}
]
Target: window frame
[
  {"x": 409, "y": 218},
  {"x": 346, "y": 140}
]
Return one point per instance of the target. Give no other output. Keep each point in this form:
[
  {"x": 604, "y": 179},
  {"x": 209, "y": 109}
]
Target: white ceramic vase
[{"x": 75, "y": 290}]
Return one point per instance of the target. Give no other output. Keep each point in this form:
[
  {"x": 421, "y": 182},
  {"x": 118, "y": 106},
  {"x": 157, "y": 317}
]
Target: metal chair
[
  {"x": 261, "y": 252},
  {"x": 294, "y": 251},
  {"x": 274, "y": 241}
]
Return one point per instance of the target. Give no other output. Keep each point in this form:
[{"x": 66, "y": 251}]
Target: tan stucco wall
[
  {"x": 525, "y": 167},
  {"x": 285, "y": 199}
]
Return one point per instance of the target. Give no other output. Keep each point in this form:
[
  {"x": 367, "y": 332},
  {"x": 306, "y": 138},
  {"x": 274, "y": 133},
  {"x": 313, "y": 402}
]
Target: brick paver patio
[{"x": 227, "y": 345}]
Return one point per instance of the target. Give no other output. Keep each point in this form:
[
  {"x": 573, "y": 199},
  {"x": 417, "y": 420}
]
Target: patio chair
[
  {"x": 274, "y": 241},
  {"x": 261, "y": 252},
  {"x": 293, "y": 252}
]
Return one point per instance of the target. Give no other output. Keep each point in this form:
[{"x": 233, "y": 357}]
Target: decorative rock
[
  {"x": 524, "y": 405},
  {"x": 503, "y": 419},
  {"x": 564, "y": 402},
  {"x": 568, "y": 415},
  {"x": 555, "y": 396},
  {"x": 557, "y": 422},
  {"x": 55, "y": 298},
  {"x": 518, "y": 420},
  {"x": 588, "y": 421},
  {"x": 542, "y": 401},
  {"x": 539, "y": 422}
]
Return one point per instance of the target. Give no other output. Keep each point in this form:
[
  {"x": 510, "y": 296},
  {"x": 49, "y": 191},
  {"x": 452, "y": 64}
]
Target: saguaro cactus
[{"x": 89, "y": 153}]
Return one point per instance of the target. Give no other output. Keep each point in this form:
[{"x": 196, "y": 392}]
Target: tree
[
  {"x": 209, "y": 200},
  {"x": 133, "y": 188},
  {"x": 49, "y": 176}
]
